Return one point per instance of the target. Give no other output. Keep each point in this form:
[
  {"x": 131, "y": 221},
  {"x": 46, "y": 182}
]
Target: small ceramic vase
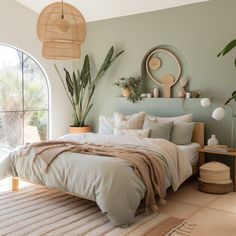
[
  {"x": 182, "y": 93},
  {"x": 213, "y": 141},
  {"x": 188, "y": 95},
  {"x": 126, "y": 92},
  {"x": 155, "y": 92}
]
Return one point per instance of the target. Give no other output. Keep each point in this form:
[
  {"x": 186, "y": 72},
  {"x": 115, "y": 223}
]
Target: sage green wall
[{"x": 198, "y": 32}]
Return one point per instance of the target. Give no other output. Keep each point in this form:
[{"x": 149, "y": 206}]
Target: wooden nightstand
[{"x": 231, "y": 153}]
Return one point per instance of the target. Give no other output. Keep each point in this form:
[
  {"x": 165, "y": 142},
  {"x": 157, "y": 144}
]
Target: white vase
[
  {"x": 213, "y": 141},
  {"x": 155, "y": 92},
  {"x": 188, "y": 95}
]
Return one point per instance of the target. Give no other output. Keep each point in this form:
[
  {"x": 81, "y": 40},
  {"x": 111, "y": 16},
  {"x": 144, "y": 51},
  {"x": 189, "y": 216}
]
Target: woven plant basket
[{"x": 61, "y": 28}]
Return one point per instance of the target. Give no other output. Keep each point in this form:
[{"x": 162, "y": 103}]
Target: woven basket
[{"x": 215, "y": 178}]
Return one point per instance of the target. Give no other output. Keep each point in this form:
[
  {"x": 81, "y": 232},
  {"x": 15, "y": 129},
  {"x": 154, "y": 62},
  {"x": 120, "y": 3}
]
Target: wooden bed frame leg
[{"x": 14, "y": 184}]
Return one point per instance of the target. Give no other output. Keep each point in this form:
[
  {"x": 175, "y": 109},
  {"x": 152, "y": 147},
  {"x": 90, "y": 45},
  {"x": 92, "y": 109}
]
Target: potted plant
[
  {"x": 79, "y": 88},
  {"x": 131, "y": 88}
]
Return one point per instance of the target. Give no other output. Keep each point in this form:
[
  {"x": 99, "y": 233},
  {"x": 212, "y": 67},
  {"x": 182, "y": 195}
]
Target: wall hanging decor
[
  {"x": 159, "y": 65},
  {"x": 61, "y": 28}
]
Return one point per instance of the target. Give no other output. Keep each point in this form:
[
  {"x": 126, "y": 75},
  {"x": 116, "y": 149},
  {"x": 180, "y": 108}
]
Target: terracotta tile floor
[{"x": 213, "y": 214}]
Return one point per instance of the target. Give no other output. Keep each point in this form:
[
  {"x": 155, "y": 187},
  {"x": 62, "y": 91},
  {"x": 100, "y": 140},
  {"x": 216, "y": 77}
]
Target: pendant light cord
[{"x": 62, "y": 10}]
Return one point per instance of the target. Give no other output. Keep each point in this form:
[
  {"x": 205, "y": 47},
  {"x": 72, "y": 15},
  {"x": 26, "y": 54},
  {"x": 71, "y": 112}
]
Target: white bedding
[{"x": 190, "y": 152}]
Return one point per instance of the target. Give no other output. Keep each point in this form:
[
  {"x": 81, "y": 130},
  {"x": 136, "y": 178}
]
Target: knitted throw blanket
[{"x": 146, "y": 164}]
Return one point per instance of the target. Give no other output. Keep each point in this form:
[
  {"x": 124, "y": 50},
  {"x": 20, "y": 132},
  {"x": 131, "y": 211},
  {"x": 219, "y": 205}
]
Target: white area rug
[{"x": 37, "y": 210}]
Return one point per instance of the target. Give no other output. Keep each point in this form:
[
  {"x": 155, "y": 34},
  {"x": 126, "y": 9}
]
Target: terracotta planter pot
[
  {"x": 126, "y": 92},
  {"x": 84, "y": 129}
]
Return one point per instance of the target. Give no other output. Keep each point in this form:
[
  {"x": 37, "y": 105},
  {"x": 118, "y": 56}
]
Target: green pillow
[
  {"x": 157, "y": 129},
  {"x": 181, "y": 133}
]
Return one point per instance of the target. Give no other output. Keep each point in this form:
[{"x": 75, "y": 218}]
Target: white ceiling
[{"x": 94, "y": 10}]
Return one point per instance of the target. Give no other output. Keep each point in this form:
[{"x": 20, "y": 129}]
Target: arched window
[{"x": 24, "y": 106}]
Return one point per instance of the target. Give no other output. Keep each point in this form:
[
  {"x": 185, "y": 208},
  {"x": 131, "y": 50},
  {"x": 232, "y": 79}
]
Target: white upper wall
[
  {"x": 18, "y": 29},
  {"x": 94, "y": 10}
]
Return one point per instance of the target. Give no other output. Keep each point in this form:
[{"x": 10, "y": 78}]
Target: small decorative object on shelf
[
  {"x": 126, "y": 92},
  {"x": 195, "y": 94},
  {"x": 183, "y": 83},
  {"x": 205, "y": 102},
  {"x": 188, "y": 94},
  {"x": 213, "y": 141},
  {"x": 131, "y": 84},
  {"x": 143, "y": 95},
  {"x": 155, "y": 93},
  {"x": 149, "y": 95}
]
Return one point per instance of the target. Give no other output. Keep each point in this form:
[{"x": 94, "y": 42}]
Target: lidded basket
[{"x": 215, "y": 178}]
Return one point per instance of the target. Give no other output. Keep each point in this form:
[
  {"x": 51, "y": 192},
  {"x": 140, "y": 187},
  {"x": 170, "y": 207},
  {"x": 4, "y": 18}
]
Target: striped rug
[{"x": 37, "y": 210}]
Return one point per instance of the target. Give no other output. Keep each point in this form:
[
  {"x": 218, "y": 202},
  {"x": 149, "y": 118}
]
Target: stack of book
[{"x": 217, "y": 148}]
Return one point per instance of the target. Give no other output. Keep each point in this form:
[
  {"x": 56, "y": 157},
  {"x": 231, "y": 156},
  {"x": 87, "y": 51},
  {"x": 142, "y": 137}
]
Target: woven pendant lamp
[{"x": 61, "y": 28}]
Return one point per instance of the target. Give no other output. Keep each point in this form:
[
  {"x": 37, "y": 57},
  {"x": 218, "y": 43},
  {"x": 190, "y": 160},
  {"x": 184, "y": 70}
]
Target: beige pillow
[
  {"x": 141, "y": 133},
  {"x": 174, "y": 119},
  {"x": 134, "y": 121}
]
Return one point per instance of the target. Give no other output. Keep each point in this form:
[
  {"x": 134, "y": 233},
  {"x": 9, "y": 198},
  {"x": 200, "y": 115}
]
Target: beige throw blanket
[{"x": 146, "y": 164}]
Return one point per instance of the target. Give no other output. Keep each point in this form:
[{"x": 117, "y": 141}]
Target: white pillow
[
  {"x": 134, "y": 121},
  {"x": 106, "y": 125},
  {"x": 175, "y": 119},
  {"x": 141, "y": 133}
]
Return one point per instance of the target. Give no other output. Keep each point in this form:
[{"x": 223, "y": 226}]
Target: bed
[{"x": 111, "y": 182}]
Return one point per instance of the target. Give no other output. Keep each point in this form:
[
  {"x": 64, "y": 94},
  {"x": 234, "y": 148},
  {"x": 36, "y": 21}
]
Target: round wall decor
[{"x": 154, "y": 64}]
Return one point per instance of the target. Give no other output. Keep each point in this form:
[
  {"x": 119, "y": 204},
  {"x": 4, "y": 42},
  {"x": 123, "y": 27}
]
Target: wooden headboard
[{"x": 198, "y": 133}]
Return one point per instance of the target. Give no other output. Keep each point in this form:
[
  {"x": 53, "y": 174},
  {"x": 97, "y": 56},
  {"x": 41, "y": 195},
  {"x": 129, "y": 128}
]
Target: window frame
[{"x": 23, "y": 110}]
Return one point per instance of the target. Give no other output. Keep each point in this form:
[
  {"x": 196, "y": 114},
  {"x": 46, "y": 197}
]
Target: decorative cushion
[
  {"x": 134, "y": 121},
  {"x": 157, "y": 129},
  {"x": 175, "y": 119},
  {"x": 181, "y": 133},
  {"x": 141, "y": 133},
  {"x": 106, "y": 125}
]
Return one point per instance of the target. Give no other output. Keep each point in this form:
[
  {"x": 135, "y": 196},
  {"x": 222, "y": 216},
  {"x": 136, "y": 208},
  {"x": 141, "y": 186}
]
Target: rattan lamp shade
[{"x": 61, "y": 28}]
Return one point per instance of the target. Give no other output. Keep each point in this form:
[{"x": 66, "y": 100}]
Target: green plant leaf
[
  {"x": 69, "y": 83},
  {"x": 64, "y": 86},
  {"x": 85, "y": 73},
  {"x": 227, "y": 48},
  {"x": 85, "y": 114},
  {"x": 107, "y": 60},
  {"x": 76, "y": 89},
  {"x": 106, "y": 63},
  {"x": 234, "y": 93}
]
